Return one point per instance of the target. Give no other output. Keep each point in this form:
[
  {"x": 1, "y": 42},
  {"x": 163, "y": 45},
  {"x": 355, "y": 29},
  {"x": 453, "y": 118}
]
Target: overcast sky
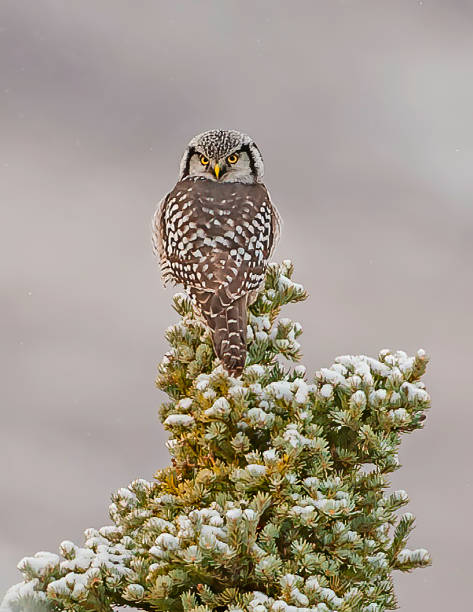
[{"x": 363, "y": 112}]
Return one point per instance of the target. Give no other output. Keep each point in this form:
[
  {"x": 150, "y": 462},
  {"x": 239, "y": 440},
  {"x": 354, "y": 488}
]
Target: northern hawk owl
[{"x": 214, "y": 233}]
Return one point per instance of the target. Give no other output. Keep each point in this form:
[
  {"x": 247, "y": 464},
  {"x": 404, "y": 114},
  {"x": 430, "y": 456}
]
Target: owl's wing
[
  {"x": 276, "y": 223},
  {"x": 158, "y": 237}
]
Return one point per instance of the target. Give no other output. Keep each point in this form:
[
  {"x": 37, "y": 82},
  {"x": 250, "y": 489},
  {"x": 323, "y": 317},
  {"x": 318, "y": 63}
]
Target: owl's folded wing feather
[{"x": 158, "y": 236}]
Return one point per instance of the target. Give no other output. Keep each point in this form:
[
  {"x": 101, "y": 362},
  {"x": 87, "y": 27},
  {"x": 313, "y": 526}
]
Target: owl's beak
[{"x": 217, "y": 170}]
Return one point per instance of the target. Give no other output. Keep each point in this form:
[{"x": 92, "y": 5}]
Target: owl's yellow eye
[
  {"x": 232, "y": 159},
  {"x": 204, "y": 160}
]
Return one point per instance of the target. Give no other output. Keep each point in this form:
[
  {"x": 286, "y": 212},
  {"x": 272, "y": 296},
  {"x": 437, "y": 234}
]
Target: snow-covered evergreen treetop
[{"x": 276, "y": 497}]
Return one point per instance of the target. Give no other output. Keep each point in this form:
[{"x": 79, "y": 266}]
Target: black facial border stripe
[
  {"x": 247, "y": 149},
  {"x": 190, "y": 153}
]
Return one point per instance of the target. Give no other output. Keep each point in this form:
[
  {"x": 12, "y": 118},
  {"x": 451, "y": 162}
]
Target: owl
[{"x": 214, "y": 233}]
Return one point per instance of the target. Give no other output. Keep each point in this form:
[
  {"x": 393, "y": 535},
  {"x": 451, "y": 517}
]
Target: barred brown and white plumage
[{"x": 214, "y": 233}]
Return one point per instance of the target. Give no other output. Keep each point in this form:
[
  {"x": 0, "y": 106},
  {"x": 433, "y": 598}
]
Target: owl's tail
[
  {"x": 227, "y": 322},
  {"x": 229, "y": 336}
]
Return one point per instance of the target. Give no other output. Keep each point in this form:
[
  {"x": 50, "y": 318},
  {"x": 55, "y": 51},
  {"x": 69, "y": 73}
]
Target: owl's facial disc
[{"x": 223, "y": 155}]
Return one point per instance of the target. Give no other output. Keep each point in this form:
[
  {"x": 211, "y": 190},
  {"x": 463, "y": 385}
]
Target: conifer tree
[{"x": 276, "y": 496}]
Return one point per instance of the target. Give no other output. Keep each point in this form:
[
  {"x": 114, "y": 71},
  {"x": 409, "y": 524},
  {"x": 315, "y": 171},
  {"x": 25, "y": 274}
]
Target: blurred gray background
[{"x": 363, "y": 111}]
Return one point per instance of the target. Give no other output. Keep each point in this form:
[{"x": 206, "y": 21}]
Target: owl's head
[{"x": 223, "y": 155}]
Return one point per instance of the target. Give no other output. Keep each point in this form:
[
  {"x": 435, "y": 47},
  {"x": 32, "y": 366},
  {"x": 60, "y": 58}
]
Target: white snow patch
[{"x": 183, "y": 420}]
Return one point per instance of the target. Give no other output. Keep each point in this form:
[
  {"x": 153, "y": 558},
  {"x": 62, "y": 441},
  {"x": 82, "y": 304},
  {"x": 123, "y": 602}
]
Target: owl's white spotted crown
[{"x": 219, "y": 143}]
